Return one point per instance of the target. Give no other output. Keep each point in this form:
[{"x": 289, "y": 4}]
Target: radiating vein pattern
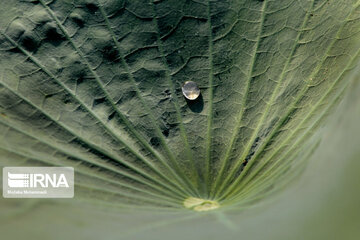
[{"x": 96, "y": 85}]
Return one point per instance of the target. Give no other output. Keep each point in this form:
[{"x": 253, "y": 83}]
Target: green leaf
[{"x": 97, "y": 85}]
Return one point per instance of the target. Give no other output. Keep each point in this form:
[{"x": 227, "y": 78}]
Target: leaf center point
[{"x": 200, "y": 205}]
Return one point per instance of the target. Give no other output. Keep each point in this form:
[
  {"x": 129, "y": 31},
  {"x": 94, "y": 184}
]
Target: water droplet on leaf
[{"x": 190, "y": 90}]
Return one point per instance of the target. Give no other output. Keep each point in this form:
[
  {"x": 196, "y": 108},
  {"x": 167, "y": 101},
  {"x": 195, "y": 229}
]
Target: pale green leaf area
[
  {"x": 322, "y": 204},
  {"x": 96, "y": 85}
]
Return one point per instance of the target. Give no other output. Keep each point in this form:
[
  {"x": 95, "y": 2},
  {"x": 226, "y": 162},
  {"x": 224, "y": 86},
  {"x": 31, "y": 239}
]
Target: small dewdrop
[
  {"x": 190, "y": 90},
  {"x": 200, "y": 205}
]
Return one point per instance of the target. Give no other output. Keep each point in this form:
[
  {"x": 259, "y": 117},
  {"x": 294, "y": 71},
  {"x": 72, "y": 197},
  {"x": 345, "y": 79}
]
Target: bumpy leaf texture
[{"x": 96, "y": 85}]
